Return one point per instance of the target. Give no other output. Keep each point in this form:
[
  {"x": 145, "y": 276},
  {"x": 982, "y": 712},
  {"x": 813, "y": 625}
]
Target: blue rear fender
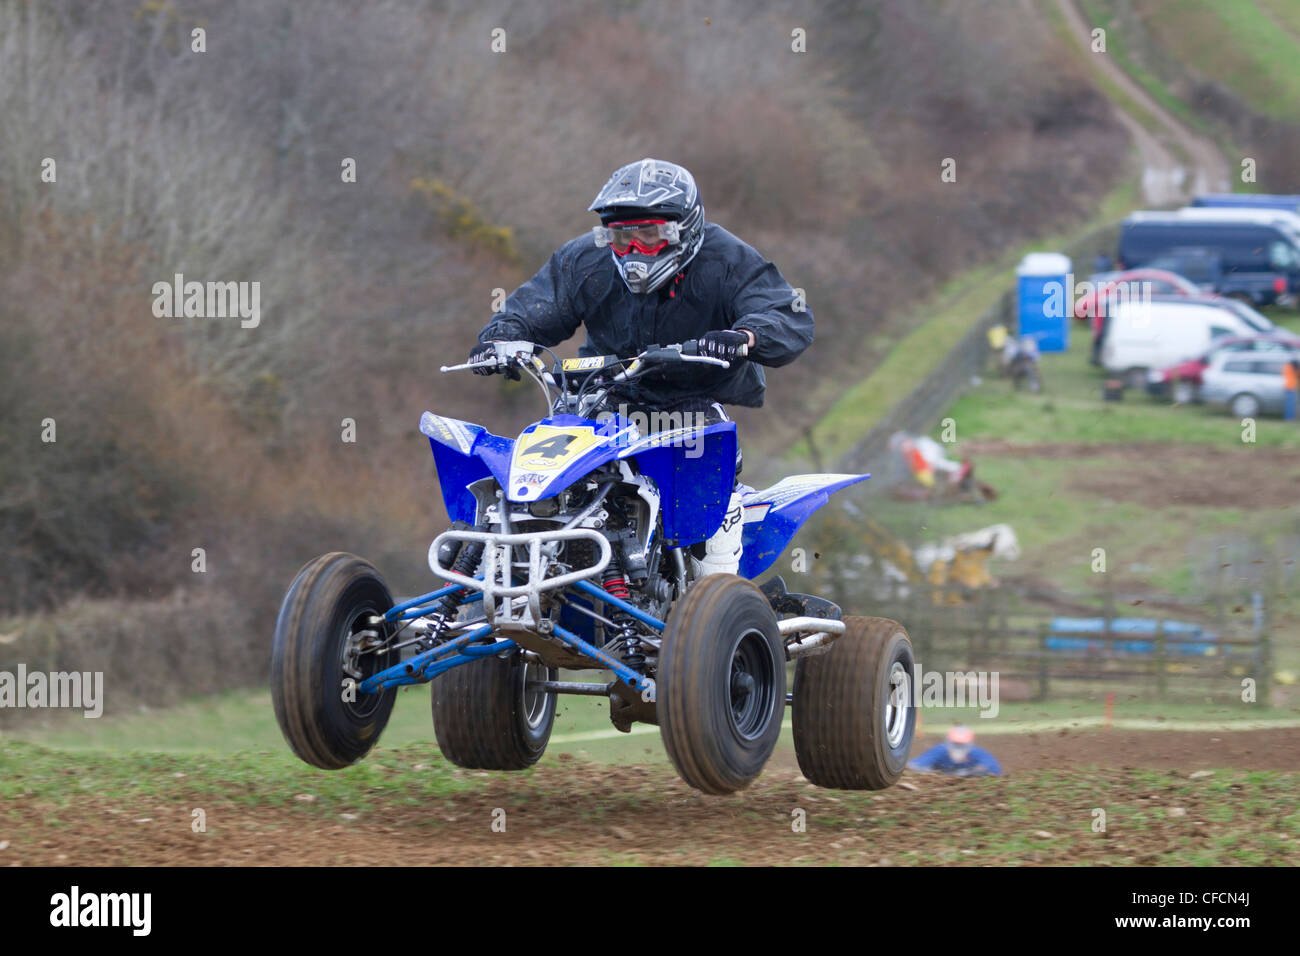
[
  {"x": 773, "y": 515},
  {"x": 695, "y": 471}
]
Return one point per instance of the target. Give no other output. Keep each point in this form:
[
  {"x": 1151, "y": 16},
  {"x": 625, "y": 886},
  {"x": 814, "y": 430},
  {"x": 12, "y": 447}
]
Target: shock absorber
[
  {"x": 468, "y": 556},
  {"x": 614, "y": 582}
]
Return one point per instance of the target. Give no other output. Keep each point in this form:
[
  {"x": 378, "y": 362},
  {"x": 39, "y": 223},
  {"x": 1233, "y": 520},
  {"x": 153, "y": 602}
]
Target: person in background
[
  {"x": 1290, "y": 386},
  {"x": 957, "y": 755}
]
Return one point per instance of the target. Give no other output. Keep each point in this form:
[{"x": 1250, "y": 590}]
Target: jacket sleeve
[
  {"x": 929, "y": 760},
  {"x": 986, "y": 761},
  {"x": 542, "y": 309},
  {"x": 766, "y": 304}
]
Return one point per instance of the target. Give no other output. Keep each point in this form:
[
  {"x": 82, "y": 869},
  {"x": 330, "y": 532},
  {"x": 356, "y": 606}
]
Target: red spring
[{"x": 616, "y": 586}]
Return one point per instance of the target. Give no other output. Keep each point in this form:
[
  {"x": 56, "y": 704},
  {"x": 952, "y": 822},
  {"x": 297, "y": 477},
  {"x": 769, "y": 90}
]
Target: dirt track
[
  {"x": 568, "y": 811},
  {"x": 1164, "y": 179}
]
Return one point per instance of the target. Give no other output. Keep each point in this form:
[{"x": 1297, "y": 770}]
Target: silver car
[{"x": 1247, "y": 383}]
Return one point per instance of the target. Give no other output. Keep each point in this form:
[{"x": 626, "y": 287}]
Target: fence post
[
  {"x": 1263, "y": 648},
  {"x": 1043, "y": 687},
  {"x": 1160, "y": 657}
]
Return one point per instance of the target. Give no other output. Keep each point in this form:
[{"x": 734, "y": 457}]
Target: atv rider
[{"x": 670, "y": 276}]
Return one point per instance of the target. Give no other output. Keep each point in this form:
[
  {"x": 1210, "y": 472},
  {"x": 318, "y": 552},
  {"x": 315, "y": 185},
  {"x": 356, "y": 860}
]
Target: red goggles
[{"x": 647, "y": 236}]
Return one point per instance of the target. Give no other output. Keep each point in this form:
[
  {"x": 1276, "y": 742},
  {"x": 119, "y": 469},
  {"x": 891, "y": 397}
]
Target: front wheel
[
  {"x": 324, "y": 645},
  {"x": 721, "y": 684},
  {"x": 853, "y": 713},
  {"x": 489, "y": 715}
]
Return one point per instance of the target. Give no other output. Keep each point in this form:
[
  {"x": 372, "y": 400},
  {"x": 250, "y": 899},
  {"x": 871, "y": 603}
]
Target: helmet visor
[{"x": 647, "y": 236}]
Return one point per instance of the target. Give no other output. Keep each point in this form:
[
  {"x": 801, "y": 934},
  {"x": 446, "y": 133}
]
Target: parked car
[
  {"x": 1142, "y": 337},
  {"x": 1246, "y": 383},
  {"x": 1254, "y": 323},
  {"x": 1249, "y": 201},
  {"x": 1110, "y": 288},
  {"x": 1182, "y": 382},
  {"x": 1257, "y": 261},
  {"x": 1245, "y": 311}
]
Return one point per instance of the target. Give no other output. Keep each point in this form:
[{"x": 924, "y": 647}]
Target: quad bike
[{"x": 574, "y": 547}]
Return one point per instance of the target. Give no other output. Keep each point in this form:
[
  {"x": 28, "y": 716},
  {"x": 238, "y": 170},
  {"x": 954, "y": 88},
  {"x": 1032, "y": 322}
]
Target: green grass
[
  {"x": 251, "y": 778},
  {"x": 1236, "y": 43},
  {"x": 1071, "y": 410},
  {"x": 1058, "y": 525},
  {"x": 1117, "y": 46},
  {"x": 951, "y": 313},
  {"x": 1113, "y": 91},
  {"x": 241, "y": 724}
]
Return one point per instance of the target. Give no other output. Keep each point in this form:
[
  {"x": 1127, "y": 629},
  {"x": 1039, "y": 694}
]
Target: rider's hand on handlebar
[
  {"x": 487, "y": 352},
  {"x": 727, "y": 344},
  {"x": 482, "y": 352}
]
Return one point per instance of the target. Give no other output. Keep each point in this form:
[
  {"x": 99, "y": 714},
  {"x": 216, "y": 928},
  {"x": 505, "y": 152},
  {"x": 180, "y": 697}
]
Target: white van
[{"x": 1145, "y": 337}]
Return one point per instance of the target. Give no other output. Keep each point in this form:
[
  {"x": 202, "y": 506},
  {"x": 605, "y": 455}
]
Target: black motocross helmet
[{"x": 652, "y": 221}]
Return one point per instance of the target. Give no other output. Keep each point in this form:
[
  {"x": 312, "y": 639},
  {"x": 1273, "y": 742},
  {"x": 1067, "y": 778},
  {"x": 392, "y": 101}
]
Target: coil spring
[
  {"x": 615, "y": 584},
  {"x": 466, "y": 563}
]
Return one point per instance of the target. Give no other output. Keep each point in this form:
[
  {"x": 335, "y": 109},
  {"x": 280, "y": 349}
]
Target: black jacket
[{"x": 728, "y": 285}]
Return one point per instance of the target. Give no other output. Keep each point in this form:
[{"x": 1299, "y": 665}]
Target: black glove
[
  {"x": 482, "y": 353},
  {"x": 486, "y": 351},
  {"x": 727, "y": 345}
]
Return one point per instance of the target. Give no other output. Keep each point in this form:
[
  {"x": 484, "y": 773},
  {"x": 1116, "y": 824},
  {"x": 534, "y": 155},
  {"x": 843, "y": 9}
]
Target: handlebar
[{"x": 520, "y": 353}]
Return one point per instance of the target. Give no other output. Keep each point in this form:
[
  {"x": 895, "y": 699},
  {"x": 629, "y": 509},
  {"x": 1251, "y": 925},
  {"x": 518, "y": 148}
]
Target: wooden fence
[{"x": 1024, "y": 640}]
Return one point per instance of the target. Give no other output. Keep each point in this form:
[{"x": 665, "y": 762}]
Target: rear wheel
[
  {"x": 853, "y": 713},
  {"x": 321, "y": 638},
  {"x": 721, "y": 684},
  {"x": 486, "y": 717}
]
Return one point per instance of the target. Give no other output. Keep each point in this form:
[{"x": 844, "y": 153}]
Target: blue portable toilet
[{"x": 1045, "y": 299}]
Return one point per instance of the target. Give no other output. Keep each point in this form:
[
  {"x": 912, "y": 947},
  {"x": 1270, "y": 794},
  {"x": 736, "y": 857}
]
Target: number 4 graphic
[{"x": 551, "y": 447}]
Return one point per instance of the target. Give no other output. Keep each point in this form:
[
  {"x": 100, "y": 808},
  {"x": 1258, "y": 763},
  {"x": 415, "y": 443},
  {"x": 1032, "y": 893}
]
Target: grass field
[
  {"x": 938, "y": 325},
  {"x": 405, "y": 805},
  {"x": 1249, "y": 47}
]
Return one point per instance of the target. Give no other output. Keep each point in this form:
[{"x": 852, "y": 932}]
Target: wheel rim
[
  {"x": 897, "y": 703},
  {"x": 751, "y": 685},
  {"x": 1245, "y": 406},
  {"x": 535, "y": 702},
  {"x": 368, "y": 665}
]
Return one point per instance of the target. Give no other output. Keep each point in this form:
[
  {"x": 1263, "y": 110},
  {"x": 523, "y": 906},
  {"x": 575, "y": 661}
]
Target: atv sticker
[
  {"x": 449, "y": 431},
  {"x": 582, "y": 364},
  {"x": 550, "y": 448}
]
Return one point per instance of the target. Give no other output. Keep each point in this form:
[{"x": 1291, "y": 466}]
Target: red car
[
  {"x": 1182, "y": 382},
  {"x": 1162, "y": 283}
]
